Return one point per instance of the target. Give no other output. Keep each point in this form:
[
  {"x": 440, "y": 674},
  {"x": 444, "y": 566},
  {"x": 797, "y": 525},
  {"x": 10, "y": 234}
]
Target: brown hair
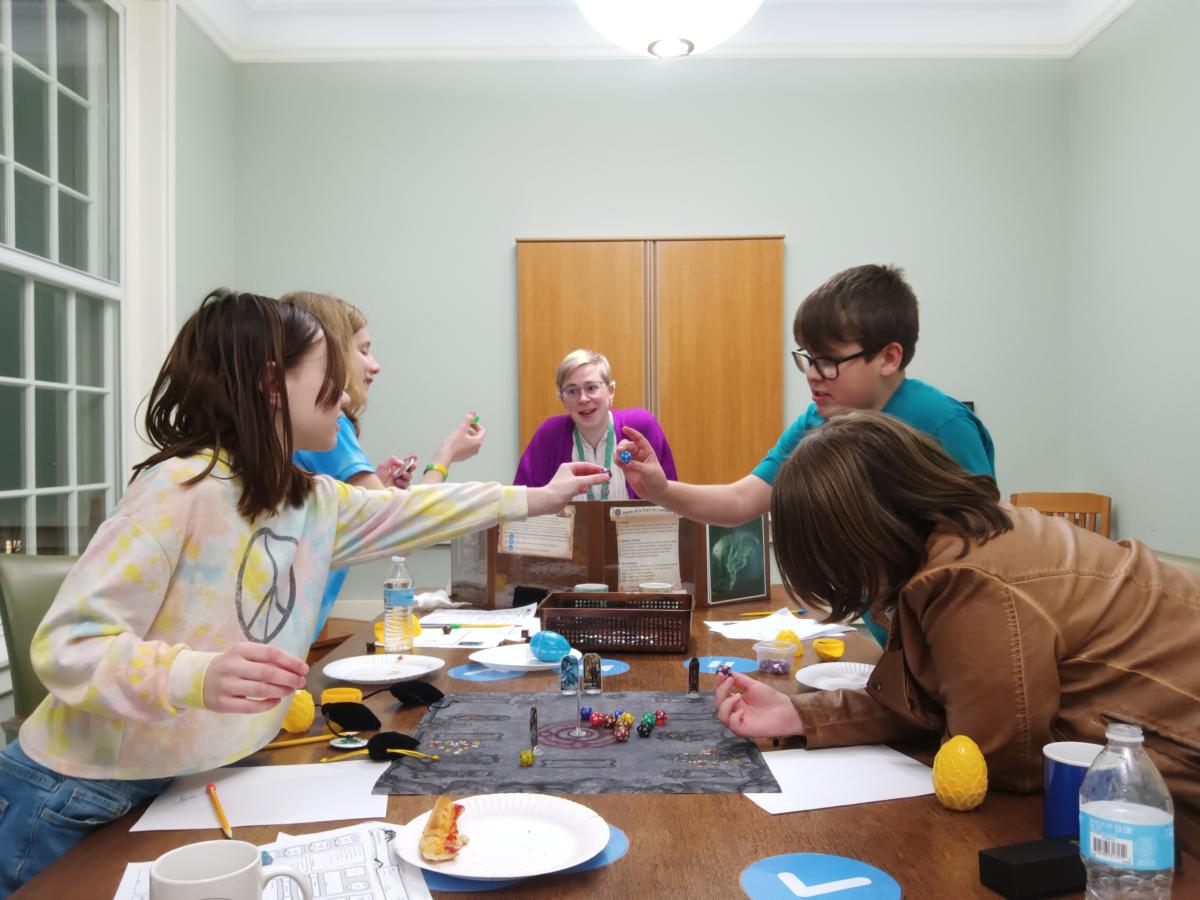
[
  {"x": 342, "y": 320},
  {"x": 213, "y": 393},
  {"x": 854, "y": 505},
  {"x": 869, "y": 305}
]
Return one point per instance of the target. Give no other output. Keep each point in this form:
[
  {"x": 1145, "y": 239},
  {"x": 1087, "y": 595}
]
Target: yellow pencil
[
  {"x": 212, "y": 795},
  {"x": 296, "y": 742}
]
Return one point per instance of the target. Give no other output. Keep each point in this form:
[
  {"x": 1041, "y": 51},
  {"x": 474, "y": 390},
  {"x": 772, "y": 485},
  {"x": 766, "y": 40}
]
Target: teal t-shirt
[{"x": 922, "y": 406}]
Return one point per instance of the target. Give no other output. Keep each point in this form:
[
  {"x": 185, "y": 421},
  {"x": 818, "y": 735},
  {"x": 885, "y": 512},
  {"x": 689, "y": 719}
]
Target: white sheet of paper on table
[
  {"x": 270, "y": 795},
  {"x": 518, "y": 615},
  {"x": 841, "y": 776},
  {"x": 343, "y": 860},
  {"x": 766, "y": 627}
]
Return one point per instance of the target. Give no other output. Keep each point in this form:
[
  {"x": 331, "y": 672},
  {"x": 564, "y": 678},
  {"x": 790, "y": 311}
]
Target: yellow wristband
[{"x": 438, "y": 467}]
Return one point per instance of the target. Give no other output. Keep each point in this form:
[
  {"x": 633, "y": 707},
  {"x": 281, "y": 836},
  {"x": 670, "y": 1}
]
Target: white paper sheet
[
  {"x": 841, "y": 776},
  {"x": 552, "y": 537},
  {"x": 647, "y": 545},
  {"x": 514, "y": 616},
  {"x": 334, "y": 859},
  {"x": 357, "y": 861},
  {"x": 764, "y": 628},
  {"x": 269, "y": 795}
]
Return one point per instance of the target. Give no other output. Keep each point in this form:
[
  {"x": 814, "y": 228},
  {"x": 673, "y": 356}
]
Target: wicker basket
[{"x": 645, "y": 623}]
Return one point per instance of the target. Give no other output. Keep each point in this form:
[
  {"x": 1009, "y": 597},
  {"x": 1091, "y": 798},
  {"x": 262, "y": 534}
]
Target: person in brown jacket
[{"x": 1013, "y": 628}]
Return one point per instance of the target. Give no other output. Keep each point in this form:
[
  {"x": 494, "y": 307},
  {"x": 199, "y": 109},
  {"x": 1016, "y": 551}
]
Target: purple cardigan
[{"x": 553, "y": 444}]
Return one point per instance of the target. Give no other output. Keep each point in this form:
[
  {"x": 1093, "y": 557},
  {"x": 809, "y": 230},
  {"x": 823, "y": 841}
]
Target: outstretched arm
[{"x": 714, "y": 504}]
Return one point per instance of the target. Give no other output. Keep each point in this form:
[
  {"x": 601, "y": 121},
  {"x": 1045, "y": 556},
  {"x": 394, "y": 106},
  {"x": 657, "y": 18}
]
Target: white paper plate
[
  {"x": 514, "y": 658},
  {"x": 382, "y": 668},
  {"x": 513, "y": 836},
  {"x": 834, "y": 675}
]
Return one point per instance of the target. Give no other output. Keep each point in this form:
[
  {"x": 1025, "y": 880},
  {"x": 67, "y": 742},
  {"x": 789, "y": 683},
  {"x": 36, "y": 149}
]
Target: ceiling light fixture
[{"x": 668, "y": 28}]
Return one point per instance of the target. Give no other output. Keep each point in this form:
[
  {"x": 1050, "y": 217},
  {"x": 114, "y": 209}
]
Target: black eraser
[{"x": 1033, "y": 869}]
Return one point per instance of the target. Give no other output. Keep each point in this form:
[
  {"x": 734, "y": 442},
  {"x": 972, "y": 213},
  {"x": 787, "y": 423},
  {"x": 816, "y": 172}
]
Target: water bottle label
[
  {"x": 395, "y": 597},
  {"x": 1147, "y": 847}
]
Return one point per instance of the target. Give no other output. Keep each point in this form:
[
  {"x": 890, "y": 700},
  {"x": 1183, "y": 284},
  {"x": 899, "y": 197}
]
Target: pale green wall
[
  {"x": 1134, "y": 204},
  {"x": 1036, "y": 205},
  {"x": 205, "y": 156},
  {"x": 402, "y": 186}
]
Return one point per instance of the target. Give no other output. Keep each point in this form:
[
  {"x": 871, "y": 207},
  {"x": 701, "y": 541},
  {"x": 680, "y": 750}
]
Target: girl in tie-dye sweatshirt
[{"x": 182, "y": 627}]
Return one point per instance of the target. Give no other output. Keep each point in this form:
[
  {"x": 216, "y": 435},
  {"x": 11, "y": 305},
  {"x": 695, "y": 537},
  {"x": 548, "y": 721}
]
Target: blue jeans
[{"x": 44, "y": 814}]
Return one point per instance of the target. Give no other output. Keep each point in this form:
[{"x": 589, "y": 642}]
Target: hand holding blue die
[{"x": 625, "y": 456}]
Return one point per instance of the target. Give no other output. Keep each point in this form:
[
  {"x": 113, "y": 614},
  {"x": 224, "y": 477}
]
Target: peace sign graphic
[{"x": 263, "y": 614}]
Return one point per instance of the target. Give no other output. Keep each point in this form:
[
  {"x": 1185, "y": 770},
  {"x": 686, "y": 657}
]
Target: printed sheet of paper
[
  {"x": 551, "y": 537},
  {"x": 499, "y": 626},
  {"x": 358, "y": 861},
  {"x": 841, "y": 776},
  {"x": 346, "y": 861},
  {"x": 647, "y": 545},
  {"x": 269, "y": 795}
]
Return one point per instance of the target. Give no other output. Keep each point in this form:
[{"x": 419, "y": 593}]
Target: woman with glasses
[
  {"x": 590, "y": 429},
  {"x": 1013, "y": 628}
]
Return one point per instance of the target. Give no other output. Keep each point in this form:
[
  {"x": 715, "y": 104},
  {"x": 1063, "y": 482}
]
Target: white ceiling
[{"x": 312, "y": 30}]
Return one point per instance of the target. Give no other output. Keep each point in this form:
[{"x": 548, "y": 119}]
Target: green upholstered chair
[{"x": 28, "y": 585}]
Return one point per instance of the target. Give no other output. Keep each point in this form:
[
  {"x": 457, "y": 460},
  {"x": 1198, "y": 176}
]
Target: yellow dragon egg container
[
  {"x": 300, "y": 714},
  {"x": 960, "y": 774}
]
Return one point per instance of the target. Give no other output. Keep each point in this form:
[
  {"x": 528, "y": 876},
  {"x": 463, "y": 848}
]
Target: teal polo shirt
[
  {"x": 926, "y": 409},
  {"x": 922, "y": 406}
]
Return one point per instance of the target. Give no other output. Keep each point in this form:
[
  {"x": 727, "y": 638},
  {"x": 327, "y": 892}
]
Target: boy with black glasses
[{"x": 857, "y": 334}]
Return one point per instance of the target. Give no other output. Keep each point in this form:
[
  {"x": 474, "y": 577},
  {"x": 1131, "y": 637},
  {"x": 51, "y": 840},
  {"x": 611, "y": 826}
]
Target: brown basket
[{"x": 639, "y": 623}]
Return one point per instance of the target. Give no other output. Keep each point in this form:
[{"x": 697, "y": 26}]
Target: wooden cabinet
[{"x": 692, "y": 328}]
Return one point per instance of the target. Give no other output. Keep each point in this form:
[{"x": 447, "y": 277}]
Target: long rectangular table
[{"x": 681, "y": 845}]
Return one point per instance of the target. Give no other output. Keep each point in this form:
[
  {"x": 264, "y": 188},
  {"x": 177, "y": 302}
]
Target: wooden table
[{"x": 689, "y": 845}]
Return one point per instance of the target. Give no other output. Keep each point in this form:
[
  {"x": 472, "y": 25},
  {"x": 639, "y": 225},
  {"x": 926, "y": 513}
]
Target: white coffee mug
[{"x": 217, "y": 870}]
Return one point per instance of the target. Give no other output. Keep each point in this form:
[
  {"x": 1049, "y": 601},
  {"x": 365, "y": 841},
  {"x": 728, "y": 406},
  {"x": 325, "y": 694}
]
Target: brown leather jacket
[{"x": 1045, "y": 633}]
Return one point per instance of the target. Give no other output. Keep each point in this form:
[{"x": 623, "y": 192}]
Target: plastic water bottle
[
  {"x": 1126, "y": 822},
  {"x": 398, "y": 608}
]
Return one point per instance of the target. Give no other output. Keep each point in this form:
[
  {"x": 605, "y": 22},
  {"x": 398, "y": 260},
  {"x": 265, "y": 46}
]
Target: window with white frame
[{"x": 60, "y": 279}]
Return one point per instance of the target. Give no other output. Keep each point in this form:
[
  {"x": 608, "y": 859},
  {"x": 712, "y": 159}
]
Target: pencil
[
  {"x": 296, "y": 742},
  {"x": 212, "y": 795}
]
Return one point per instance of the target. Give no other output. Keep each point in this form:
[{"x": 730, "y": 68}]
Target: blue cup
[{"x": 1064, "y": 765}]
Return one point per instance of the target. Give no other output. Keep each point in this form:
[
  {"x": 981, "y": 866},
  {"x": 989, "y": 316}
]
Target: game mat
[{"x": 479, "y": 738}]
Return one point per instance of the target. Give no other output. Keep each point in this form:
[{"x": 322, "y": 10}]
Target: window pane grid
[
  {"x": 58, "y": 154},
  {"x": 61, "y": 495}
]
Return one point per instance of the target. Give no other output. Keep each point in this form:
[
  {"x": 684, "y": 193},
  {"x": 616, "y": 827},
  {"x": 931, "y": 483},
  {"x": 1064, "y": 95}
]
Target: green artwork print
[{"x": 736, "y": 562}]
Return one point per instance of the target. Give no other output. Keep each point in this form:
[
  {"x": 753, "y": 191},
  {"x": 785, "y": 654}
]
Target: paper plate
[
  {"x": 514, "y": 658},
  {"x": 834, "y": 675},
  {"x": 513, "y": 836},
  {"x": 382, "y": 668}
]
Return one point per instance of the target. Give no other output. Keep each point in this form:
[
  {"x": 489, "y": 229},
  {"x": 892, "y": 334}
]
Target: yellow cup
[
  {"x": 379, "y": 630},
  {"x": 789, "y": 636},
  {"x": 829, "y": 649},
  {"x": 341, "y": 695}
]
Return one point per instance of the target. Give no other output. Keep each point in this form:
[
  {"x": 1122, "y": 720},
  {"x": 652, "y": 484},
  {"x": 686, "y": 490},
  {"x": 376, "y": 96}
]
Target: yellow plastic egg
[
  {"x": 960, "y": 774},
  {"x": 790, "y": 636},
  {"x": 829, "y": 649},
  {"x": 300, "y": 714}
]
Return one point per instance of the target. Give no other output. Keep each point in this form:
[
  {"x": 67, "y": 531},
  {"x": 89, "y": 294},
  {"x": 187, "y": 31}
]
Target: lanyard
[{"x": 608, "y": 455}]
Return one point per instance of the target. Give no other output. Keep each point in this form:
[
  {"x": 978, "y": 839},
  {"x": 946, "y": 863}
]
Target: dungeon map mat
[{"x": 479, "y": 738}]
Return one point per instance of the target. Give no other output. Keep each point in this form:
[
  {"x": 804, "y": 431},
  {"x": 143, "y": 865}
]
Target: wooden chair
[
  {"x": 1090, "y": 511},
  {"x": 28, "y": 585}
]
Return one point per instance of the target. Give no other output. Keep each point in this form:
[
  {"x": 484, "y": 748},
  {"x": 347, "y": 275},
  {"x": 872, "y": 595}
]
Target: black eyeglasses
[{"x": 827, "y": 366}]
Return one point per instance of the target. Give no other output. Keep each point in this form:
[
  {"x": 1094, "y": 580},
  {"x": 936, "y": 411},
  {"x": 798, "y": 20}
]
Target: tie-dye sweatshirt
[{"x": 175, "y": 577}]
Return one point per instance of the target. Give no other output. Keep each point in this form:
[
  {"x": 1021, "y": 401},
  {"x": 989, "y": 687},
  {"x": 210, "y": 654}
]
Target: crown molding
[{"x": 280, "y": 31}]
